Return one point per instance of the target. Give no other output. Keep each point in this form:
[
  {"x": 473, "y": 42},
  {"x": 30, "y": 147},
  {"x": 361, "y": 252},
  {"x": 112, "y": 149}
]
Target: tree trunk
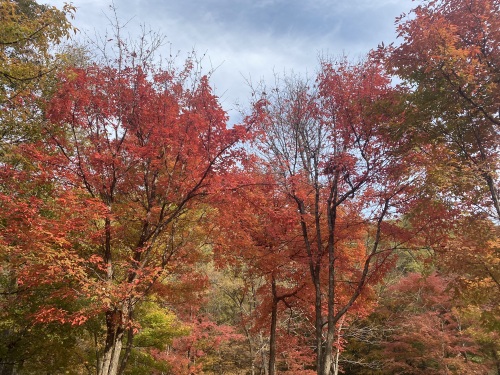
[
  {"x": 318, "y": 324},
  {"x": 494, "y": 193},
  {"x": 314, "y": 270},
  {"x": 128, "y": 350},
  {"x": 110, "y": 360},
  {"x": 335, "y": 364},
  {"x": 272, "y": 335},
  {"x": 263, "y": 352},
  {"x": 328, "y": 354}
]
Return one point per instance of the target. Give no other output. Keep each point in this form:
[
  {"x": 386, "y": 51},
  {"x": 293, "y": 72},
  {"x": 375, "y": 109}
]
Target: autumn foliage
[{"x": 348, "y": 223}]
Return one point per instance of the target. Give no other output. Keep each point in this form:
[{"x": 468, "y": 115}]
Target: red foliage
[
  {"x": 115, "y": 201},
  {"x": 429, "y": 336},
  {"x": 187, "y": 354}
]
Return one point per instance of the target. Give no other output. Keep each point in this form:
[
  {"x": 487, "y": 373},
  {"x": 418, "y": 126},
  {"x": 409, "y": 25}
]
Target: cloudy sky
[{"x": 252, "y": 39}]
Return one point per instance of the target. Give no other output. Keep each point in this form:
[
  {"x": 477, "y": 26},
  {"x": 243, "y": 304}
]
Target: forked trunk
[{"x": 110, "y": 361}]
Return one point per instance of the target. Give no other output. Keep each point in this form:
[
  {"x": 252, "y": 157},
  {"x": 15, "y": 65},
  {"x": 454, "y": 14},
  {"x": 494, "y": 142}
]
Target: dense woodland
[{"x": 347, "y": 225}]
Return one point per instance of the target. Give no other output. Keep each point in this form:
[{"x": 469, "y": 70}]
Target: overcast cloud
[{"x": 253, "y": 38}]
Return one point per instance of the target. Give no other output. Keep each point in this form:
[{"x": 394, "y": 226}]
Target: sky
[{"x": 251, "y": 40}]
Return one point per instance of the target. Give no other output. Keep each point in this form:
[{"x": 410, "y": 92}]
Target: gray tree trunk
[{"x": 110, "y": 361}]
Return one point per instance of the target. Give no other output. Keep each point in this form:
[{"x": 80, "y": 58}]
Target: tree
[
  {"x": 258, "y": 235},
  {"x": 29, "y": 33},
  {"x": 135, "y": 147},
  {"x": 450, "y": 63},
  {"x": 330, "y": 151},
  {"x": 39, "y": 225}
]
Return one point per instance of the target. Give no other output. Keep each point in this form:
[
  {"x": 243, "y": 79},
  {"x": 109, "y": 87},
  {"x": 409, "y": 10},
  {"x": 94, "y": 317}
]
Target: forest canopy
[{"x": 347, "y": 224}]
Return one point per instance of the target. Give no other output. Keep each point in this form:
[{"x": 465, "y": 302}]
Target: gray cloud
[{"x": 254, "y": 38}]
